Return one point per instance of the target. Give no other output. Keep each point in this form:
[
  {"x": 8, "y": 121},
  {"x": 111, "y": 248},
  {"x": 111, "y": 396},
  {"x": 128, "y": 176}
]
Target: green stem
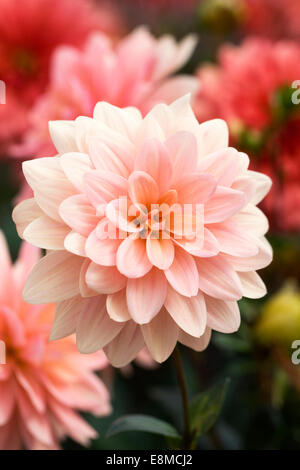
[{"x": 187, "y": 435}]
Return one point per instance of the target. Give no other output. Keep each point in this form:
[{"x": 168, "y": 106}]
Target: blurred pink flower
[
  {"x": 135, "y": 72},
  {"x": 155, "y": 284},
  {"x": 41, "y": 382},
  {"x": 30, "y": 30},
  {"x": 13, "y": 122},
  {"x": 251, "y": 89}
]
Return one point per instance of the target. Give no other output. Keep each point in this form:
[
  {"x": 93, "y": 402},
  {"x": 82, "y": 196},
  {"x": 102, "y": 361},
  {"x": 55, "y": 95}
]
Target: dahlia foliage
[
  {"x": 151, "y": 230},
  {"x": 41, "y": 383}
]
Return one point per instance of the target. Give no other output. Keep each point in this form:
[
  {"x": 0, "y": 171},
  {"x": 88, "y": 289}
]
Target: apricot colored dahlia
[{"x": 151, "y": 227}]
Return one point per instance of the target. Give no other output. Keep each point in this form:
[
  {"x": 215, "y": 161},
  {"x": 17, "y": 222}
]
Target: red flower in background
[
  {"x": 158, "y": 4},
  {"x": 273, "y": 18},
  {"x": 29, "y": 32},
  {"x": 251, "y": 89}
]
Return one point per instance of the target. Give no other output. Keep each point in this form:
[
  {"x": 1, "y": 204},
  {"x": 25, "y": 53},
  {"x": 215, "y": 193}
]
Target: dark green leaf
[
  {"x": 205, "y": 408},
  {"x": 142, "y": 423}
]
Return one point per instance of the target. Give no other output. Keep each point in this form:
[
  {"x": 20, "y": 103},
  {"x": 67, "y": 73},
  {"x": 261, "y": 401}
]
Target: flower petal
[
  {"x": 85, "y": 290},
  {"x": 54, "y": 278},
  {"x": 160, "y": 336},
  {"x": 252, "y": 220},
  {"x": 218, "y": 279},
  {"x": 105, "y": 158},
  {"x": 233, "y": 240},
  {"x": 188, "y": 313},
  {"x": 132, "y": 259},
  {"x": 94, "y": 328},
  {"x": 262, "y": 186},
  {"x": 125, "y": 346},
  {"x": 154, "y": 160},
  {"x": 224, "y": 165},
  {"x": 104, "y": 279},
  {"x": 79, "y": 214},
  {"x": 198, "y": 344},
  {"x": 46, "y": 233},
  {"x": 102, "y": 186},
  {"x": 75, "y": 243},
  {"x": 24, "y": 213},
  {"x": 146, "y": 295},
  {"x": 212, "y": 136},
  {"x": 195, "y": 188},
  {"x": 210, "y": 246},
  {"x": 75, "y": 165},
  {"x": 183, "y": 274},
  {"x": 117, "y": 212},
  {"x": 222, "y": 315},
  {"x": 102, "y": 251},
  {"x": 49, "y": 184},
  {"x": 259, "y": 261},
  {"x": 116, "y": 305},
  {"x": 253, "y": 286},
  {"x": 182, "y": 147},
  {"x": 124, "y": 121},
  {"x": 142, "y": 188},
  {"x": 224, "y": 203},
  {"x": 63, "y": 136},
  {"x": 66, "y": 317},
  {"x": 160, "y": 252}
]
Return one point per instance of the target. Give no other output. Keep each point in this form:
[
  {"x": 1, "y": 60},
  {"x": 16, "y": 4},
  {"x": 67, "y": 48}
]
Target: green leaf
[
  {"x": 142, "y": 423},
  {"x": 205, "y": 408}
]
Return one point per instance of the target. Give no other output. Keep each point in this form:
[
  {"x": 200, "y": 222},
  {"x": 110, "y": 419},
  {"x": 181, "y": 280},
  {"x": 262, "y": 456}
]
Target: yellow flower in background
[{"x": 280, "y": 318}]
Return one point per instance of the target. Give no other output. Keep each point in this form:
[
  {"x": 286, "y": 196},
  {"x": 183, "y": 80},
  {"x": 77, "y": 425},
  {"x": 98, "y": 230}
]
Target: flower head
[
  {"x": 135, "y": 72},
  {"x": 273, "y": 18},
  {"x": 252, "y": 89},
  {"x": 41, "y": 383},
  {"x": 30, "y": 30},
  {"x": 152, "y": 230}
]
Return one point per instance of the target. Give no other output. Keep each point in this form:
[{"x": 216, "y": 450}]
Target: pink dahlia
[
  {"x": 41, "y": 383},
  {"x": 135, "y": 72},
  {"x": 152, "y": 230},
  {"x": 30, "y": 30},
  {"x": 251, "y": 88}
]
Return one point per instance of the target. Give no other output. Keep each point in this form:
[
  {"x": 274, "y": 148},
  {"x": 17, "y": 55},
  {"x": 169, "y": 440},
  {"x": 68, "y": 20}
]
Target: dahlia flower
[
  {"x": 261, "y": 116},
  {"x": 135, "y": 72},
  {"x": 30, "y": 30},
  {"x": 273, "y": 18},
  {"x": 180, "y": 5},
  {"x": 151, "y": 228},
  {"x": 41, "y": 383}
]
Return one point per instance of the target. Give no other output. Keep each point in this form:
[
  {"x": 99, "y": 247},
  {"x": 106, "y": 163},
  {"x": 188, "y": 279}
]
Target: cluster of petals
[
  {"x": 136, "y": 71},
  {"x": 273, "y": 18},
  {"x": 42, "y": 383},
  {"x": 123, "y": 293},
  {"x": 30, "y": 30},
  {"x": 265, "y": 69}
]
